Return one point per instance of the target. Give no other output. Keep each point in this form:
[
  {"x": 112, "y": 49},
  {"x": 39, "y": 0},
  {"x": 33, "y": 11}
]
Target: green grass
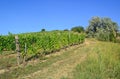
[{"x": 103, "y": 62}]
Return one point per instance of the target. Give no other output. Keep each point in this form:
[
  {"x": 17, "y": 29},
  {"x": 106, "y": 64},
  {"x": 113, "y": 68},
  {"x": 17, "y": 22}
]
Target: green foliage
[
  {"x": 7, "y": 43},
  {"x": 102, "y": 28},
  {"x": 78, "y": 29},
  {"x": 41, "y": 42},
  {"x": 66, "y": 30}
]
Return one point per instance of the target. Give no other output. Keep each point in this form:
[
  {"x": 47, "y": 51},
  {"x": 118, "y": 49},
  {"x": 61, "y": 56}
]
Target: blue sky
[{"x": 20, "y": 16}]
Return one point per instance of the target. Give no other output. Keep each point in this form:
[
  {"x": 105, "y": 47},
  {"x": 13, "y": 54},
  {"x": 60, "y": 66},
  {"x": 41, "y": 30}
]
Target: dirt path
[
  {"x": 64, "y": 67},
  {"x": 58, "y": 69}
]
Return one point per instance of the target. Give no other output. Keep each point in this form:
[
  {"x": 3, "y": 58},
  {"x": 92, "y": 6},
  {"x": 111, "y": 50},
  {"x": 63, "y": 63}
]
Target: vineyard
[
  {"x": 41, "y": 42},
  {"x": 92, "y": 59}
]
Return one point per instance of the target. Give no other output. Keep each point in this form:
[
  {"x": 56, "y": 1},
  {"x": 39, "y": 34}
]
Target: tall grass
[{"x": 103, "y": 62}]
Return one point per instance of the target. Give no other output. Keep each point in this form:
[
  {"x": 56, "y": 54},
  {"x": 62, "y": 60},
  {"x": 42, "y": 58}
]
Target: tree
[
  {"x": 65, "y": 30},
  {"x": 94, "y": 23},
  {"x": 42, "y": 30},
  {"x": 102, "y": 28},
  {"x": 78, "y": 29}
]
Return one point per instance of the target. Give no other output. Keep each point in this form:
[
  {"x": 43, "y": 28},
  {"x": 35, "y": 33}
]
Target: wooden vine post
[
  {"x": 17, "y": 49},
  {"x": 69, "y": 38},
  {"x": 25, "y": 53}
]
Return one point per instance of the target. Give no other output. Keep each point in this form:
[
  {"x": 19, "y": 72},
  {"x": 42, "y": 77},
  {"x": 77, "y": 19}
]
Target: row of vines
[{"x": 41, "y": 42}]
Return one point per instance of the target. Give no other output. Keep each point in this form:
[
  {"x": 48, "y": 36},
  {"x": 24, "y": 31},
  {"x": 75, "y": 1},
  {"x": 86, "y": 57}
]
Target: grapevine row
[{"x": 41, "y": 41}]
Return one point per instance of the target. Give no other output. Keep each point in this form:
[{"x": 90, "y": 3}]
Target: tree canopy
[
  {"x": 78, "y": 29},
  {"x": 102, "y": 28},
  {"x": 42, "y": 30}
]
